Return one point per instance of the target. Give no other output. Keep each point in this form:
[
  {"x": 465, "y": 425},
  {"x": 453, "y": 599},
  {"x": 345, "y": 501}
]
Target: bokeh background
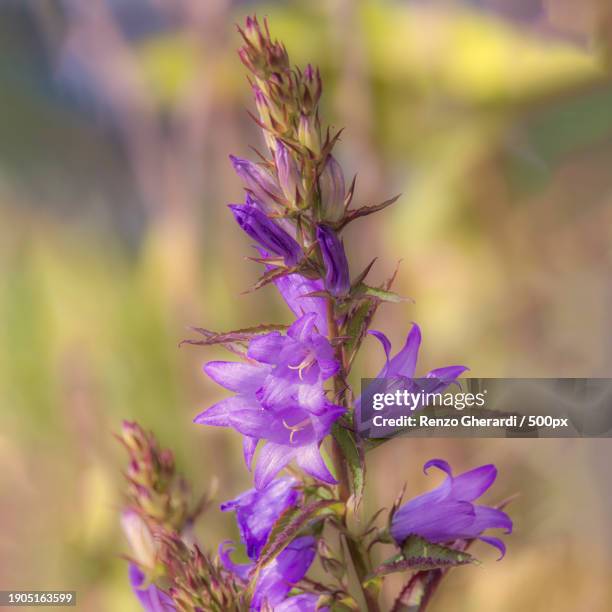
[{"x": 492, "y": 117}]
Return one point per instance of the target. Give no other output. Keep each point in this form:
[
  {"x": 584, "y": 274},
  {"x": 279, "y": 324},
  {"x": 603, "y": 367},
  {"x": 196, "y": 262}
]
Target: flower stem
[{"x": 360, "y": 562}]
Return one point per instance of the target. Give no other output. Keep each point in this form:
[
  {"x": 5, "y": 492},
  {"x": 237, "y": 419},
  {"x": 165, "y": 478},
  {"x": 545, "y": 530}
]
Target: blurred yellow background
[{"x": 494, "y": 119}]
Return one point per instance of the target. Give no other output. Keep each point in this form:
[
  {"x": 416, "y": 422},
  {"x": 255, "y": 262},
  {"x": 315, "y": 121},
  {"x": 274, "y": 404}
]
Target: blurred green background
[{"x": 493, "y": 118}]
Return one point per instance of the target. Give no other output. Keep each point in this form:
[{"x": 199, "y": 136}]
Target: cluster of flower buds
[
  {"x": 198, "y": 581},
  {"x": 154, "y": 489},
  {"x": 301, "y": 179}
]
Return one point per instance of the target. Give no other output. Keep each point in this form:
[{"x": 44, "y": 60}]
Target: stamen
[
  {"x": 308, "y": 361},
  {"x": 295, "y": 428}
]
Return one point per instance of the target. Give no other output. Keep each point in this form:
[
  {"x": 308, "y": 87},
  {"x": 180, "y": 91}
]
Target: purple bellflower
[
  {"x": 292, "y": 430},
  {"x": 404, "y": 363},
  {"x": 400, "y": 369},
  {"x": 256, "y": 511},
  {"x": 337, "y": 280},
  {"x": 266, "y": 232},
  {"x": 278, "y": 577},
  {"x": 447, "y": 513},
  {"x": 151, "y": 598}
]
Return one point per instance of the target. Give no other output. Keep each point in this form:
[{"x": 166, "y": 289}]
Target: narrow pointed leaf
[
  {"x": 419, "y": 554},
  {"x": 355, "y": 461}
]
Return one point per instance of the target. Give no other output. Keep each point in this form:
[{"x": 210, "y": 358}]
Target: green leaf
[
  {"x": 355, "y": 461},
  {"x": 357, "y": 326},
  {"x": 419, "y": 554},
  {"x": 234, "y": 336},
  {"x": 381, "y": 294},
  {"x": 364, "y": 211}
]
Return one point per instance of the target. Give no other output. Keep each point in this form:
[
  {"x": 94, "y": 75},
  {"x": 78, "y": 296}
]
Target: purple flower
[
  {"x": 266, "y": 232},
  {"x": 258, "y": 181},
  {"x": 447, "y": 513},
  {"x": 337, "y": 280},
  {"x": 151, "y": 598},
  {"x": 404, "y": 363},
  {"x": 333, "y": 190},
  {"x": 277, "y": 578},
  {"x": 257, "y": 511},
  {"x": 302, "y": 360},
  {"x": 288, "y": 175},
  {"x": 291, "y": 431}
]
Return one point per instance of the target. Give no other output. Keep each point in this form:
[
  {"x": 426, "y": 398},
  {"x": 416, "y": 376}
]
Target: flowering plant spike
[{"x": 291, "y": 401}]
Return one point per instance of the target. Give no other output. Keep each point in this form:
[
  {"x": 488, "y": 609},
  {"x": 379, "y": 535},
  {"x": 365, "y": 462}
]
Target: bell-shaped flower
[
  {"x": 403, "y": 364},
  {"x": 337, "y": 280},
  {"x": 448, "y": 513},
  {"x": 290, "y": 431},
  {"x": 257, "y": 511}
]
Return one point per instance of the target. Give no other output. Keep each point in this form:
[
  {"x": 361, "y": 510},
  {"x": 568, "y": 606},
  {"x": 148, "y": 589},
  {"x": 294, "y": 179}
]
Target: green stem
[{"x": 360, "y": 562}]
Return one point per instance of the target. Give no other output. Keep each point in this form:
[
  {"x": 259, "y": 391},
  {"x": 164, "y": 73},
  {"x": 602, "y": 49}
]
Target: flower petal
[
  {"x": 249, "y": 445},
  {"x": 238, "y": 569},
  {"x": 386, "y": 344},
  {"x": 151, "y": 598},
  {"x": 447, "y": 374},
  {"x": 497, "y": 543},
  {"x": 266, "y": 348},
  {"x": 404, "y": 363},
  {"x": 440, "y": 464},
  {"x": 254, "y": 422},
  {"x": 491, "y": 518},
  {"x": 236, "y": 376},
  {"x": 471, "y": 485},
  {"x": 309, "y": 459},
  {"x": 302, "y": 328},
  {"x": 219, "y": 414},
  {"x": 441, "y": 522},
  {"x": 272, "y": 459}
]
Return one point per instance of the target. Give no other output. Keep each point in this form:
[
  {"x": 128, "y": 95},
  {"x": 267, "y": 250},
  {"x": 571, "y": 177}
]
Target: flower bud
[
  {"x": 288, "y": 176},
  {"x": 263, "y": 109},
  {"x": 253, "y": 34},
  {"x": 333, "y": 190},
  {"x": 308, "y": 133},
  {"x": 144, "y": 549},
  {"x": 258, "y": 181},
  {"x": 267, "y": 233},
  {"x": 337, "y": 280}
]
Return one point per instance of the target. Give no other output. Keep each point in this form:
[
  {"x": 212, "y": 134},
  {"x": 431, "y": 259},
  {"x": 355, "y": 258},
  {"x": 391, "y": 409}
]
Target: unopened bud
[
  {"x": 144, "y": 549},
  {"x": 337, "y": 280},
  {"x": 333, "y": 190},
  {"x": 288, "y": 176},
  {"x": 260, "y": 182},
  {"x": 308, "y": 133}
]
